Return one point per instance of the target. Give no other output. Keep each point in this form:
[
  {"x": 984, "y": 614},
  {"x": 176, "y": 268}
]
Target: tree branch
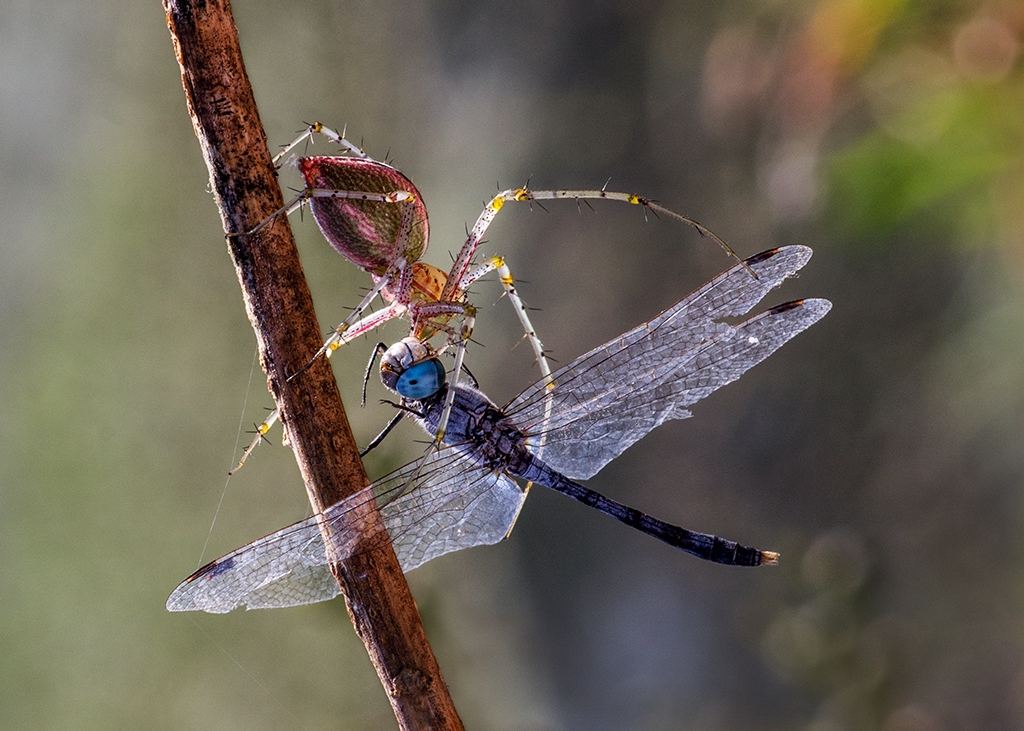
[{"x": 279, "y": 306}]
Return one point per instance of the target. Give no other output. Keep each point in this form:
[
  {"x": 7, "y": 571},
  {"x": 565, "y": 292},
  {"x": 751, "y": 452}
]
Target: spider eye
[{"x": 421, "y": 380}]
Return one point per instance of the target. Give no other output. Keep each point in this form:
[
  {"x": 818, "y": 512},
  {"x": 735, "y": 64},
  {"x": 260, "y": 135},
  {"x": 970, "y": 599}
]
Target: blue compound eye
[{"x": 421, "y": 380}]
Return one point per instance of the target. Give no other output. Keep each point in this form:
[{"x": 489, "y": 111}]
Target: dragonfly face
[
  {"x": 411, "y": 369},
  {"x": 422, "y": 380}
]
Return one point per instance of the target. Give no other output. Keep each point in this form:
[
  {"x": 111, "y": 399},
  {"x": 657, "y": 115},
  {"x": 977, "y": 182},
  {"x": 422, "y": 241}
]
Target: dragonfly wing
[
  {"x": 284, "y": 569},
  {"x": 726, "y": 358},
  {"x": 442, "y": 503},
  {"x": 583, "y": 446},
  {"x": 451, "y": 503},
  {"x": 685, "y": 326},
  {"x": 601, "y": 402}
]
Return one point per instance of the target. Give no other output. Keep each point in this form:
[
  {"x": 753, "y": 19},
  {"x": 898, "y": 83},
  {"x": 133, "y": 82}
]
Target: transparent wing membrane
[
  {"x": 430, "y": 507},
  {"x": 604, "y": 401}
]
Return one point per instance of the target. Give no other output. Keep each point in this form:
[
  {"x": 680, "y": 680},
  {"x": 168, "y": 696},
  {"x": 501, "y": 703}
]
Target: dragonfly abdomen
[{"x": 702, "y": 545}]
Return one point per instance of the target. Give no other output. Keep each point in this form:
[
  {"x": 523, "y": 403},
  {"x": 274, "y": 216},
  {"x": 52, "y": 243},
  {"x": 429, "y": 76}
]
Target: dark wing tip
[
  {"x": 760, "y": 257},
  {"x": 815, "y": 305},
  {"x": 783, "y": 261},
  {"x": 211, "y": 569}
]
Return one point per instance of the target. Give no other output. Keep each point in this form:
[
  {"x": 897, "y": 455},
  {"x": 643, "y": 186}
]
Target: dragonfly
[
  {"x": 374, "y": 216},
  {"x": 553, "y": 434}
]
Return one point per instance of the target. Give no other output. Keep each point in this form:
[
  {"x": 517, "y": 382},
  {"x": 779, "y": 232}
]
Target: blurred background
[{"x": 880, "y": 452}]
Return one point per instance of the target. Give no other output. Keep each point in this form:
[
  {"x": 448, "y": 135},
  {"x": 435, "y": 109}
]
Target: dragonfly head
[{"x": 411, "y": 369}]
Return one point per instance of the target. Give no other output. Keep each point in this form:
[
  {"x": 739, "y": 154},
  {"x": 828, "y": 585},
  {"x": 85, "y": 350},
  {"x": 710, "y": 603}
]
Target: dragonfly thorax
[{"x": 479, "y": 424}]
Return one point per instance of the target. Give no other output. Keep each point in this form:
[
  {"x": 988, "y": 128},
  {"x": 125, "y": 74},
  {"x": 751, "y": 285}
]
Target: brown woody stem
[{"x": 279, "y": 306}]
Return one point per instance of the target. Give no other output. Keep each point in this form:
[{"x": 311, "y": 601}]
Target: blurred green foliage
[
  {"x": 880, "y": 180},
  {"x": 942, "y": 145}
]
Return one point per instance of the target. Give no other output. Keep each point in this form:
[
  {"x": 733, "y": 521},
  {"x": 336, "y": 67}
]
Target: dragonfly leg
[{"x": 375, "y": 442}]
